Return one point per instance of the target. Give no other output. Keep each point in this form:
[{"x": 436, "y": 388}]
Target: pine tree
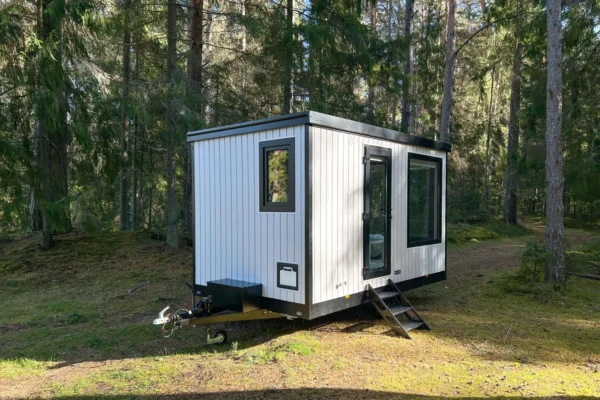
[
  {"x": 449, "y": 72},
  {"x": 171, "y": 126},
  {"x": 555, "y": 244},
  {"x": 512, "y": 152}
]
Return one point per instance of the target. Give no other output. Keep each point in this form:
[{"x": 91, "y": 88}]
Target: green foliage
[
  {"x": 277, "y": 175},
  {"x": 529, "y": 278},
  {"x": 533, "y": 263},
  {"x": 494, "y": 229},
  {"x": 68, "y": 78},
  {"x": 585, "y": 258}
]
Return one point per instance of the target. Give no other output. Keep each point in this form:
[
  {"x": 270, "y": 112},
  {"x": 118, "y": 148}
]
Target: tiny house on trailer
[{"x": 306, "y": 214}]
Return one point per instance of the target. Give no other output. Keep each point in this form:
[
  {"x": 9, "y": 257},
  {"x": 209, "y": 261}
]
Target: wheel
[{"x": 223, "y": 334}]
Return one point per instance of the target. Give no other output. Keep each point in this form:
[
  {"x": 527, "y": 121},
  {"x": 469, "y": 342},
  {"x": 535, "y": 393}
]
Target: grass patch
[
  {"x": 301, "y": 344},
  {"x": 72, "y": 302},
  {"x": 11, "y": 369},
  {"x": 493, "y": 229},
  {"x": 584, "y": 259}
]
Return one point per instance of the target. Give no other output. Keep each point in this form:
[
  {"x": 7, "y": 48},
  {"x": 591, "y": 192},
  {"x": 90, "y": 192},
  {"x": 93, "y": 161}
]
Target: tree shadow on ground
[
  {"x": 307, "y": 393},
  {"x": 246, "y": 335}
]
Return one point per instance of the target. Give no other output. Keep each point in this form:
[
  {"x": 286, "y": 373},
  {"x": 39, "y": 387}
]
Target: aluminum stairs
[{"x": 396, "y": 310}]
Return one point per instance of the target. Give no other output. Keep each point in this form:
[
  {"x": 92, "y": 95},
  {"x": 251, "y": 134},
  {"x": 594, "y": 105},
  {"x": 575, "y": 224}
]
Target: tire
[{"x": 222, "y": 333}]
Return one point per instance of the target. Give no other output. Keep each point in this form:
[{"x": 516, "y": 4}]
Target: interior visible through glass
[
  {"x": 378, "y": 213},
  {"x": 423, "y": 202},
  {"x": 277, "y": 174}
]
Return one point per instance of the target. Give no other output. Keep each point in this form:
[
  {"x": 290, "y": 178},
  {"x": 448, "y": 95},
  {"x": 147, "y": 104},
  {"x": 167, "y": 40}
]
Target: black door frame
[{"x": 387, "y": 153}]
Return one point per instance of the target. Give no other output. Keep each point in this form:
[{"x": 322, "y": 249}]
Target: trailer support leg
[{"x": 219, "y": 338}]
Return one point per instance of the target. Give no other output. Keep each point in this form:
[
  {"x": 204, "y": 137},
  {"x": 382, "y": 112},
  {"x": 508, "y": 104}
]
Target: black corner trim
[{"x": 308, "y": 220}]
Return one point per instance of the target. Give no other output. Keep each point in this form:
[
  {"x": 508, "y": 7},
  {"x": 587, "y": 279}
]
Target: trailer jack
[{"x": 201, "y": 315}]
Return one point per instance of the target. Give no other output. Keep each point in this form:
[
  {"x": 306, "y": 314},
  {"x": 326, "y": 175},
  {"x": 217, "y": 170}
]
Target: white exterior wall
[
  {"x": 337, "y": 207},
  {"x": 232, "y": 238}
]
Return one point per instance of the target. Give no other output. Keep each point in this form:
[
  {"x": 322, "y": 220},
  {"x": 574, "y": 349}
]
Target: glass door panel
[{"x": 378, "y": 213}]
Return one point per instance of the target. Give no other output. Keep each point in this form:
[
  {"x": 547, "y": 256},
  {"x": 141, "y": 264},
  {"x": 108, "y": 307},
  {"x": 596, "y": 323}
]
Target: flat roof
[{"x": 316, "y": 119}]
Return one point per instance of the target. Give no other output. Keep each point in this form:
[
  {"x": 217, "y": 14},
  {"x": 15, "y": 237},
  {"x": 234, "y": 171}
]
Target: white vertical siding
[
  {"x": 233, "y": 239},
  {"x": 337, "y": 204}
]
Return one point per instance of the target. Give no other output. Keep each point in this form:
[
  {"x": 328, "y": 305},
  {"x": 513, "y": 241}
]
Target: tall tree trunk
[
  {"x": 196, "y": 97},
  {"x": 151, "y": 175},
  {"x": 51, "y": 120},
  {"x": 555, "y": 246},
  {"x": 133, "y": 176},
  {"x": 195, "y": 57},
  {"x": 486, "y": 183},
  {"x": 141, "y": 176},
  {"x": 371, "y": 80},
  {"x": 136, "y": 144},
  {"x": 288, "y": 98},
  {"x": 408, "y": 33},
  {"x": 244, "y": 40},
  {"x": 62, "y": 143},
  {"x": 123, "y": 173},
  {"x": 449, "y": 72},
  {"x": 171, "y": 134},
  {"x": 394, "y": 99},
  {"x": 512, "y": 151},
  {"x": 34, "y": 207}
]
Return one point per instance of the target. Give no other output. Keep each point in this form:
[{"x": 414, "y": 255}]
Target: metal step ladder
[{"x": 396, "y": 310}]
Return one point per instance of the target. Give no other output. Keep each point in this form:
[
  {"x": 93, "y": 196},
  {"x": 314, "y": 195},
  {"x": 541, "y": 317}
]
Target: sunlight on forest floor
[{"x": 70, "y": 328}]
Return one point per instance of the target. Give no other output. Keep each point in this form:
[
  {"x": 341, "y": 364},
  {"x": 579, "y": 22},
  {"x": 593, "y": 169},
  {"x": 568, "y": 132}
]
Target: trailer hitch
[
  {"x": 202, "y": 314},
  {"x": 172, "y": 321},
  {"x": 161, "y": 320}
]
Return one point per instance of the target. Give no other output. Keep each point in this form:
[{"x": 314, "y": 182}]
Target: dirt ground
[{"x": 485, "y": 343}]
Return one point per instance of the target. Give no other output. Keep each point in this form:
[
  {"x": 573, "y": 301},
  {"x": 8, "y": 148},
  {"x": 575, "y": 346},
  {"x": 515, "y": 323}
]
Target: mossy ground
[
  {"x": 69, "y": 328},
  {"x": 493, "y": 229}
]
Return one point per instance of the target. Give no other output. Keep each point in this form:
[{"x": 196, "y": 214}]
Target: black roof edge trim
[
  {"x": 250, "y": 126},
  {"x": 329, "y": 121},
  {"x": 318, "y": 119}
]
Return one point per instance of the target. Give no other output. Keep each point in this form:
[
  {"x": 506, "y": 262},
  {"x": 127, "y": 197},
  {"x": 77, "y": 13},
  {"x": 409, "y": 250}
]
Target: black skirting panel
[
  {"x": 328, "y": 307},
  {"x": 343, "y": 303}
]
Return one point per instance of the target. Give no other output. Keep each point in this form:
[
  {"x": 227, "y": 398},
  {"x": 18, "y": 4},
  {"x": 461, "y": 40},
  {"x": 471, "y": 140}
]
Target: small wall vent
[{"x": 287, "y": 276}]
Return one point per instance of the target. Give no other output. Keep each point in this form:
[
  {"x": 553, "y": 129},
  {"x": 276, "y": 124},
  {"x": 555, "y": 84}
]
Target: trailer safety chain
[
  {"x": 170, "y": 322},
  {"x": 164, "y": 329}
]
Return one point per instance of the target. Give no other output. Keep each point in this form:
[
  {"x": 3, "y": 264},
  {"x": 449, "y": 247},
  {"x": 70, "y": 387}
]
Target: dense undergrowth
[
  {"x": 529, "y": 280},
  {"x": 492, "y": 229}
]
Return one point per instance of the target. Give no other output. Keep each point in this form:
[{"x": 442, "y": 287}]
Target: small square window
[
  {"x": 277, "y": 177},
  {"x": 424, "y": 200}
]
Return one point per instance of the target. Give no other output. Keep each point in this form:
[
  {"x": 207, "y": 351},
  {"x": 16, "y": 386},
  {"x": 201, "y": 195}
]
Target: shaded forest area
[{"x": 96, "y": 97}]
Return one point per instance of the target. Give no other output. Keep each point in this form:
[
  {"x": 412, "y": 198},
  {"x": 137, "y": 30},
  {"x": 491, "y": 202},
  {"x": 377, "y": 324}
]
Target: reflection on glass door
[{"x": 378, "y": 212}]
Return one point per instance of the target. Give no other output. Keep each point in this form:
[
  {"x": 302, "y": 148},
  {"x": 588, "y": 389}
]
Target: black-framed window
[
  {"x": 277, "y": 175},
  {"x": 424, "y": 214}
]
